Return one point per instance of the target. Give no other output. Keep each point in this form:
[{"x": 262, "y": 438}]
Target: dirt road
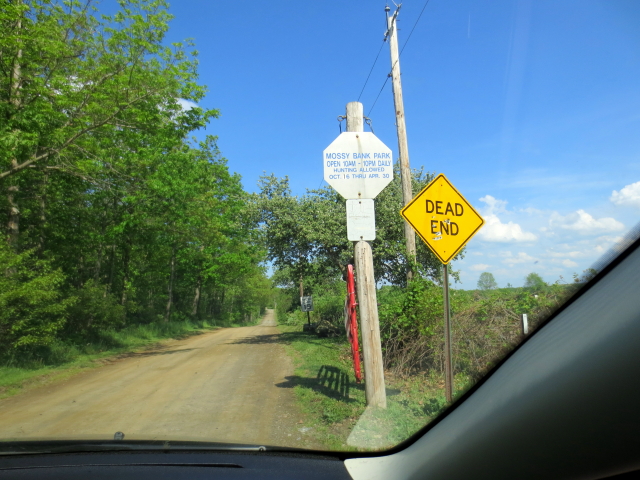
[{"x": 218, "y": 386}]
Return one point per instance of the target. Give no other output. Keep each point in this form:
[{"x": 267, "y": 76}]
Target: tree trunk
[
  {"x": 196, "y": 298},
  {"x": 112, "y": 266},
  {"x": 125, "y": 281},
  {"x": 96, "y": 273},
  {"x": 13, "y": 227},
  {"x": 167, "y": 314},
  {"x": 80, "y": 281},
  {"x": 113, "y": 254},
  {"x": 220, "y": 304},
  {"x": 43, "y": 213}
]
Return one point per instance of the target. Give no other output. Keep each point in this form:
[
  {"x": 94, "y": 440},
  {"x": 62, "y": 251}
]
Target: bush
[
  {"x": 95, "y": 311},
  {"x": 411, "y": 320},
  {"x": 485, "y": 325},
  {"x": 32, "y": 307},
  {"x": 329, "y": 305}
]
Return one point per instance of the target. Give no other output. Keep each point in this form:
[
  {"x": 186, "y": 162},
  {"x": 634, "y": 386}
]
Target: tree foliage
[
  {"x": 533, "y": 281},
  {"x": 33, "y": 308},
  {"x": 69, "y": 79},
  {"x": 113, "y": 213},
  {"x": 306, "y": 237},
  {"x": 487, "y": 281}
]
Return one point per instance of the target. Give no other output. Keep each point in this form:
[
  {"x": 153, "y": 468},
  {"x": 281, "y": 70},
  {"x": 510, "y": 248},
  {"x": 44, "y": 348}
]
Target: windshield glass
[{"x": 243, "y": 224}]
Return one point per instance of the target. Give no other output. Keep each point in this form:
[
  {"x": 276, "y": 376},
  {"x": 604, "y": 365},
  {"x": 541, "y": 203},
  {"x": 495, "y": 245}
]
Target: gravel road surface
[{"x": 217, "y": 386}]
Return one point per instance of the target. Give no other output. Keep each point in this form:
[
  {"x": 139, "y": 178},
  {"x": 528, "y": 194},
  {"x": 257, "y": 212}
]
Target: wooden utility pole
[
  {"x": 403, "y": 146},
  {"x": 367, "y": 298}
]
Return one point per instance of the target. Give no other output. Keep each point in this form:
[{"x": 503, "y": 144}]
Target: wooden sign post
[{"x": 359, "y": 166}]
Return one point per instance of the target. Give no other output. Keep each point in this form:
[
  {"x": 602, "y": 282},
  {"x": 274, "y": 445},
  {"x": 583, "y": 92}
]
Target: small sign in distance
[{"x": 306, "y": 303}]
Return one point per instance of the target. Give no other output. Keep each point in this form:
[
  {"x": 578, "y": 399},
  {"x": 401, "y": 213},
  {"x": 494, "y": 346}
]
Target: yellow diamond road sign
[{"x": 443, "y": 218}]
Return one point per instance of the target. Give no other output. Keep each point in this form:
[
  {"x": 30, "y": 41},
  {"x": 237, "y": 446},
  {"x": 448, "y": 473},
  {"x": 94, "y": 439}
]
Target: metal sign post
[
  {"x": 448, "y": 365},
  {"x": 445, "y": 221}
]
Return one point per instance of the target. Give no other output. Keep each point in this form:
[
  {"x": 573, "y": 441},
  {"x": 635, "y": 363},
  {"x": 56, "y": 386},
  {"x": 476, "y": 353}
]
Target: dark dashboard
[{"x": 173, "y": 465}]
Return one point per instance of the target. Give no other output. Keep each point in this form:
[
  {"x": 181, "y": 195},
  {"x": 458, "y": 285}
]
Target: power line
[
  {"x": 414, "y": 27},
  {"x": 401, "y": 50},
  {"x": 374, "y": 64},
  {"x": 376, "y": 100}
]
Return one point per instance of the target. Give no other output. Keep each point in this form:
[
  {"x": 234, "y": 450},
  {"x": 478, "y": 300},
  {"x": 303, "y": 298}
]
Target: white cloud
[
  {"x": 605, "y": 242},
  {"x": 582, "y": 222},
  {"x": 479, "y": 267},
  {"x": 581, "y": 253},
  {"x": 521, "y": 257},
  {"x": 186, "y": 104},
  {"x": 572, "y": 254},
  {"x": 629, "y": 195},
  {"x": 609, "y": 240},
  {"x": 531, "y": 211},
  {"x": 493, "y": 204},
  {"x": 496, "y": 231}
]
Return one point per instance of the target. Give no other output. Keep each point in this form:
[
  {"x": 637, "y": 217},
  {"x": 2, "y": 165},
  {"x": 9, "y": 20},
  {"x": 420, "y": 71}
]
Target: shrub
[
  {"x": 95, "y": 311},
  {"x": 32, "y": 307},
  {"x": 410, "y": 325}
]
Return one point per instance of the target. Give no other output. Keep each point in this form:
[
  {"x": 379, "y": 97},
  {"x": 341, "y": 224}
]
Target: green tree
[
  {"x": 32, "y": 307},
  {"x": 70, "y": 81},
  {"x": 534, "y": 282},
  {"x": 487, "y": 281},
  {"x": 306, "y": 237},
  {"x": 114, "y": 214},
  {"x": 587, "y": 275}
]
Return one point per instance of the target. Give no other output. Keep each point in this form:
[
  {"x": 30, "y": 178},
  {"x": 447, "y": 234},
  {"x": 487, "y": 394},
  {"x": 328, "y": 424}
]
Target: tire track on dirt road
[{"x": 218, "y": 386}]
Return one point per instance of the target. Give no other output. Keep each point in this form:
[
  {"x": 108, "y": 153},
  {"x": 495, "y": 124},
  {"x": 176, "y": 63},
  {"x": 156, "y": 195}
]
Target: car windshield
[{"x": 300, "y": 225}]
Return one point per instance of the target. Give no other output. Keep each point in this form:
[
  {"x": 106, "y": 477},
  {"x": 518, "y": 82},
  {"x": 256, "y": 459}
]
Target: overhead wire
[
  {"x": 414, "y": 27},
  {"x": 374, "y": 64},
  {"x": 376, "y": 100},
  {"x": 399, "y": 55}
]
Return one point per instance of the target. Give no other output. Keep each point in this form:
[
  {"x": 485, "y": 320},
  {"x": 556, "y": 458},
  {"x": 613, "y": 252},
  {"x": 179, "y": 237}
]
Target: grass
[
  {"x": 334, "y": 404},
  {"x": 62, "y": 360}
]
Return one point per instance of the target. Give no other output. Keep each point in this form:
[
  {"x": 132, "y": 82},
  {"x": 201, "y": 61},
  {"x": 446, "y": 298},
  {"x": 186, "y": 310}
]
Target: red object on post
[{"x": 352, "y": 322}]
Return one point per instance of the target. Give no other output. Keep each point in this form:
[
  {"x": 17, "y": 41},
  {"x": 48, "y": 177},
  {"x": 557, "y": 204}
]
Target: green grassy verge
[
  {"x": 62, "y": 360},
  {"x": 334, "y": 403}
]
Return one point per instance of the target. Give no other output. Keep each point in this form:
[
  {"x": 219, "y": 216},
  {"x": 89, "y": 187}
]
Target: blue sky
[{"x": 531, "y": 108}]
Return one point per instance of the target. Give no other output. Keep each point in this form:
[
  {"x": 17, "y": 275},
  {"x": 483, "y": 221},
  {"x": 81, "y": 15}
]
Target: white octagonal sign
[{"x": 357, "y": 165}]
